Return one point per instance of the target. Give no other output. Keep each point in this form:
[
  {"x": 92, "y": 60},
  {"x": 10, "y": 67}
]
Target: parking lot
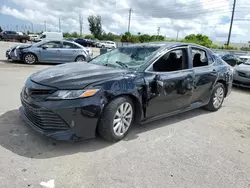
[{"x": 194, "y": 149}]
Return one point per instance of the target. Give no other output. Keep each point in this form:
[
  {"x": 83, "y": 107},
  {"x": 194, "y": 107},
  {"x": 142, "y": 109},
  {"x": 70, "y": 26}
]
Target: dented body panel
[{"x": 155, "y": 94}]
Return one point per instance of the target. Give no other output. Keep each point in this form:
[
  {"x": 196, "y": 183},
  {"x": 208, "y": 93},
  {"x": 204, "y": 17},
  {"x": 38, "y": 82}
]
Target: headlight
[{"x": 72, "y": 94}]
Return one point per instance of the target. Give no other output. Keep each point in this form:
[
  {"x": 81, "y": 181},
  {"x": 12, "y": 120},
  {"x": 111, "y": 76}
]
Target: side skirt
[{"x": 191, "y": 107}]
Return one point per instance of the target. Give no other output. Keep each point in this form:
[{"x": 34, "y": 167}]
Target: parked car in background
[
  {"x": 34, "y": 37},
  {"x": 244, "y": 58},
  {"x": 85, "y": 42},
  {"x": 50, "y": 36},
  {"x": 106, "y": 44},
  {"x": 242, "y": 74},
  {"x": 231, "y": 59},
  {"x": 133, "y": 84},
  {"x": 12, "y": 35},
  {"x": 50, "y": 51}
]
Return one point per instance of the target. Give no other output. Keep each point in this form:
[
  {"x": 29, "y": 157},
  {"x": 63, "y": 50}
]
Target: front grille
[
  {"x": 38, "y": 91},
  {"x": 42, "y": 118}
]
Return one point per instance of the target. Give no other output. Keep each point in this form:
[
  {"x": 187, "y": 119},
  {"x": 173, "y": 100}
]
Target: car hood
[
  {"x": 75, "y": 75},
  {"x": 243, "y": 67},
  {"x": 21, "y": 46}
]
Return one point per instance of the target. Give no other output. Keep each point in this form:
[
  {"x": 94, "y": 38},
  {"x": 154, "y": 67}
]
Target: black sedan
[
  {"x": 231, "y": 59},
  {"x": 127, "y": 85}
]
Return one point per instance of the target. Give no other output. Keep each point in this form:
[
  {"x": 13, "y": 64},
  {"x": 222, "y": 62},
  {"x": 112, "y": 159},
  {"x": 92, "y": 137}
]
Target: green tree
[
  {"x": 95, "y": 25},
  {"x": 91, "y": 37},
  {"x": 1, "y": 29},
  {"x": 199, "y": 39}
]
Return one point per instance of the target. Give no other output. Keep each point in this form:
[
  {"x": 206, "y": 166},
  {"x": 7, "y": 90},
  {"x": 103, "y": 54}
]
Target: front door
[
  {"x": 170, "y": 83},
  {"x": 51, "y": 52}
]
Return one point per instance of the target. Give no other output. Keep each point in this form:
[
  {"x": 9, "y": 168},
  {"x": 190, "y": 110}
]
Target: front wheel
[
  {"x": 29, "y": 58},
  {"x": 217, "y": 98},
  {"x": 116, "y": 119}
]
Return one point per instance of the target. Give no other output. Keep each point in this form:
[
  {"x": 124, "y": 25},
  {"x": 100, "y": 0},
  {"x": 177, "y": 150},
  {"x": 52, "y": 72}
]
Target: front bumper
[
  {"x": 68, "y": 120},
  {"x": 13, "y": 54},
  {"x": 241, "y": 80}
]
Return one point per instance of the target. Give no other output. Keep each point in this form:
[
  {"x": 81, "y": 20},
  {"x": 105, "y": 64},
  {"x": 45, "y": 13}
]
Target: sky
[{"x": 209, "y": 17}]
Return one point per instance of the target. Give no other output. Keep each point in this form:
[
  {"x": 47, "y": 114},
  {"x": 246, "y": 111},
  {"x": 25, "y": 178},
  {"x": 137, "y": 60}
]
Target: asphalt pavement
[{"x": 197, "y": 149}]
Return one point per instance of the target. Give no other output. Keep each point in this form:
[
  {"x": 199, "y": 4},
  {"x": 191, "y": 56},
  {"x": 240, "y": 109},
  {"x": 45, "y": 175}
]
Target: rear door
[
  {"x": 205, "y": 74},
  {"x": 69, "y": 51},
  {"x": 51, "y": 52}
]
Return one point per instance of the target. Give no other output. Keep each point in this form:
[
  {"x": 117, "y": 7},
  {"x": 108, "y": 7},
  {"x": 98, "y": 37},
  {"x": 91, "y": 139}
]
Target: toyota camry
[{"x": 122, "y": 87}]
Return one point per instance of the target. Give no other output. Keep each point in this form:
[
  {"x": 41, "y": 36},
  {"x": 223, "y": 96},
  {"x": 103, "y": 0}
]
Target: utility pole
[
  {"x": 177, "y": 36},
  {"x": 32, "y": 28},
  {"x": 45, "y": 26},
  {"x": 158, "y": 32},
  {"x": 80, "y": 23},
  {"x": 16, "y": 27},
  {"x": 129, "y": 19},
  {"x": 59, "y": 25},
  {"x": 231, "y": 24}
]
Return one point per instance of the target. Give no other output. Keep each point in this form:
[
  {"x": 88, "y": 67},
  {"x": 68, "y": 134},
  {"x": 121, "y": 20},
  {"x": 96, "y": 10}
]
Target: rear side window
[
  {"x": 200, "y": 58},
  {"x": 53, "y": 44},
  {"x": 69, "y": 45}
]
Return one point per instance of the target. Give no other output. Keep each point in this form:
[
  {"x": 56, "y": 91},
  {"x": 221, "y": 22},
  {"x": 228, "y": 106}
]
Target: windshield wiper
[{"x": 121, "y": 64}]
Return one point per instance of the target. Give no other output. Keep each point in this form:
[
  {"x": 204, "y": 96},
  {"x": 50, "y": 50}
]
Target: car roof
[{"x": 165, "y": 45}]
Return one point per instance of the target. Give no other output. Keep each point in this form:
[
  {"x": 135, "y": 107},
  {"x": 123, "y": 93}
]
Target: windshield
[{"x": 125, "y": 57}]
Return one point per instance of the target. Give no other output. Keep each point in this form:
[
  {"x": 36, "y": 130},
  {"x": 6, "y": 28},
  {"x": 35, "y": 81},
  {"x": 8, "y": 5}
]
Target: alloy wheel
[
  {"x": 30, "y": 59},
  {"x": 122, "y": 119},
  {"x": 218, "y": 97}
]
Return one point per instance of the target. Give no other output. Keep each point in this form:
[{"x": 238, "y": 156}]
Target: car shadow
[
  {"x": 17, "y": 137},
  {"x": 5, "y": 61},
  {"x": 241, "y": 89}
]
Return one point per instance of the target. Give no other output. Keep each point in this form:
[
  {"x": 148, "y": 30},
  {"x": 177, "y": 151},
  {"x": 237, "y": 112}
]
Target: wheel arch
[
  {"x": 136, "y": 103},
  {"x": 80, "y": 55},
  {"x": 37, "y": 60},
  {"x": 224, "y": 84}
]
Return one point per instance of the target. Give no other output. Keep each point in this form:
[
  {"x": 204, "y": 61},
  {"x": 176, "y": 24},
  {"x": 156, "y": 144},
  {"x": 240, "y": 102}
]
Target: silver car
[
  {"x": 242, "y": 74},
  {"x": 52, "y": 51}
]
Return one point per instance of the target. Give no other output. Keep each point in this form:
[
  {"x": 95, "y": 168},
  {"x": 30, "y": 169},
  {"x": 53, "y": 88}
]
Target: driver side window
[{"x": 174, "y": 60}]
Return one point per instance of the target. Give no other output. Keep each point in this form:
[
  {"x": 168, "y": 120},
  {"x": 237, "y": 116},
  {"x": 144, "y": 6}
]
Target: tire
[
  {"x": 102, "y": 46},
  {"x": 219, "y": 91},
  {"x": 80, "y": 58},
  {"x": 29, "y": 58},
  {"x": 109, "y": 120}
]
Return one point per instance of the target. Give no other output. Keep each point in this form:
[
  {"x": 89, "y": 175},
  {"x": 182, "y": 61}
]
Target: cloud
[{"x": 187, "y": 16}]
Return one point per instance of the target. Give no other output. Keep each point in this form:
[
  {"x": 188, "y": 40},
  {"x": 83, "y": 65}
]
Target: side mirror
[{"x": 45, "y": 47}]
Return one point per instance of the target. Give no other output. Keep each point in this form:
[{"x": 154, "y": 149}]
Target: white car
[
  {"x": 34, "y": 37},
  {"x": 107, "y": 44},
  {"x": 245, "y": 57}
]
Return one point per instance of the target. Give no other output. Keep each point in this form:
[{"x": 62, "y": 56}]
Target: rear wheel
[
  {"x": 116, "y": 119},
  {"x": 80, "y": 58},
  {"x": 29, "y": 58},
  {"x": 217, "y": 98}
]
